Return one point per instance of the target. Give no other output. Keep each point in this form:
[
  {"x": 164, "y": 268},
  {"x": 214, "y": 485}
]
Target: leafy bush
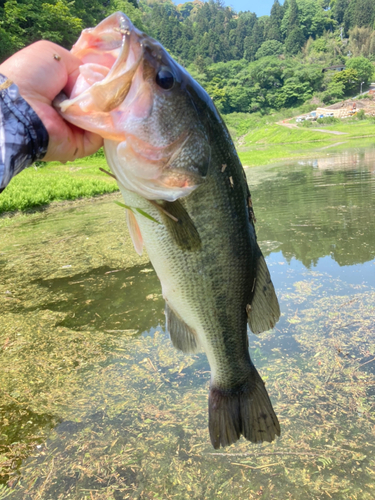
[
  {"x": 361, "y": 115},
  {"x": 320, "y": 45},
  {"x": 363, "y": 67},
  {"x": 327, "y": 120},
  {"x": 269, "y": 48},
  {"x": 335, "y": 91},
  {"x": 349, "y": 78},
  {"x": 98, "y": 154}
]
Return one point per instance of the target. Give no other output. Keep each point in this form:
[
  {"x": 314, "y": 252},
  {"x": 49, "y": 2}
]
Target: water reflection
[{"x": 323, "y": 208}]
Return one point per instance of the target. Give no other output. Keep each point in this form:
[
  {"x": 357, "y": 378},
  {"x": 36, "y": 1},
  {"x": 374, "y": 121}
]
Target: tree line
[{"x": 246, "y": 63}]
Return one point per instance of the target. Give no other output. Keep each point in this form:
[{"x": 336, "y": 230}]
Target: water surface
[{"x": 96, "y": 403}]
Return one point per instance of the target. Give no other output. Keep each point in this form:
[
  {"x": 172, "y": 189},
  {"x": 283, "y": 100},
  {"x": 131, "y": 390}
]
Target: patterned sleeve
[{"x": 23, "y": 137}]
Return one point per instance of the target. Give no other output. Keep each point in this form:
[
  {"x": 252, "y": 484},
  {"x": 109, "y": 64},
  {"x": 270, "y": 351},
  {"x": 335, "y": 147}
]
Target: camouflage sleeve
[{"x": 23, "y": 137}]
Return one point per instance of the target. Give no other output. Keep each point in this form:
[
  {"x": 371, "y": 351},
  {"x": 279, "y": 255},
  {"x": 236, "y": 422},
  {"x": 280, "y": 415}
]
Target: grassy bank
[
  {"x": 275, "y": 142},
  {"x": 38, "y": 186},
  {"x": 260, "y": 140}
]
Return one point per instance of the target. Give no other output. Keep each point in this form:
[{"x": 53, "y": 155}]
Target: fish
[{"x": 189, "y": 205}]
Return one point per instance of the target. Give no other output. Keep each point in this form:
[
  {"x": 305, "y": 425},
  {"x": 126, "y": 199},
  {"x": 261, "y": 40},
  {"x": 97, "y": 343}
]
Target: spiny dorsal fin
[
  {"x": 182, "y": 336},
  {"x": 183, "y": 230},
  {"x": 263, "y": 313}
]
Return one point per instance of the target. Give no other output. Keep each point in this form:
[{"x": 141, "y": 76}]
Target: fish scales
[{"x": 167, "y": 146}]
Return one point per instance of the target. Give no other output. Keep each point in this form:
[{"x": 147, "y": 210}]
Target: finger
[
  {"x": 91, "y": 143},
  {"x": 41, "y": 70},
  {"x": 72, "y": 77},
  {"x": 62, "y": 65},
  {"x": 68, "y": 142}
]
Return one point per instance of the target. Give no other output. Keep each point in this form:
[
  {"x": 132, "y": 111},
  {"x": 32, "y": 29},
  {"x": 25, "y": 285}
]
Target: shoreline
[
  {"x": 262, "y": 147},
  {"x": 258, "y": 156},
  {"x": 8, "y": 218}
]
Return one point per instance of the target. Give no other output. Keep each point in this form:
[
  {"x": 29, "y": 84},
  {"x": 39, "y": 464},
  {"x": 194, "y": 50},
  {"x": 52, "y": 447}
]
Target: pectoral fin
[
  {"x": 134, "y": 231},
  {"x": 263, "y": 312},
  {"x": 182, "y": 336},
  {"x": 180, "y": 227}
]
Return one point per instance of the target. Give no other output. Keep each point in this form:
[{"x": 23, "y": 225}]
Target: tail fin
[{"x": 247, "y": 410}]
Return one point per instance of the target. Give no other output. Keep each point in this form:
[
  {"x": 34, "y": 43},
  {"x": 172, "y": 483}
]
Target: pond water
[{"x": 96, "y": 404}]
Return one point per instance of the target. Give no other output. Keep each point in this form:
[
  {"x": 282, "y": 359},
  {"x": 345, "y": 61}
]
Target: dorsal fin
[{"x": 263, "y": 312}]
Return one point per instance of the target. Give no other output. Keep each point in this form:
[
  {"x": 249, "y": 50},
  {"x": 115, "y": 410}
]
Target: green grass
[
  {"x": 269, "y": 143},
  {"x": 265, "y": 145},
  {"x": 239, "y": 124},
  {"x": 258, "y": 156},
  {"x": 354, "y": 127},
  {"x": 267, "y": 155},
  {"x": 38, "y": 186},
  {"x": 278, "y": 134}
]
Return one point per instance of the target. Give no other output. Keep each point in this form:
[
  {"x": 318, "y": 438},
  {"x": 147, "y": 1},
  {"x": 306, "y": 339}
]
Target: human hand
[{"x": 41, "y": 71}]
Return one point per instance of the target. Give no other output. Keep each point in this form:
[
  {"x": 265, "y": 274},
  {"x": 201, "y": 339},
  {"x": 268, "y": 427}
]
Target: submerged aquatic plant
[{"x": 96, "y": 403}]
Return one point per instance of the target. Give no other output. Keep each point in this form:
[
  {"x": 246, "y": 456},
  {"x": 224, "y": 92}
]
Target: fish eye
[{"x": 165, "y": 79}]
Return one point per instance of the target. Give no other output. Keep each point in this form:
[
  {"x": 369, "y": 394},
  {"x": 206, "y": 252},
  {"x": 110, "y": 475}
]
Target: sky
[{"x": 260, "y": 7}]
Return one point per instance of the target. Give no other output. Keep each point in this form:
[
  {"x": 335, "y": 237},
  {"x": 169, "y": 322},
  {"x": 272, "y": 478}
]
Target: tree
[
  {"x": 363, "y": 67},
  {"x": 335, "y": 91},
  {"x": 27, "y": 23},
  {"x": 277, "y": 13},
  {"x": 276, "y": 17},
  {"x": 269, "y": 48},
  {"x": 293, "y": 15},
  {"x": 313, "y": 19},
  {"x": 294, "y": 41},
  {"x": 254, "y": 41},
  {"x": 349, "y": 78},
  {"x": 338, "y": 10},
  {"x": 362, "y": 41},
  {"x": 185, "y": 9},
  {"x": 364, "y": 13},
  {"x": 200, "y": 64},
  {"x": 91, "y": 12},
  {"x": 9, "y": 44},
  {"x": 349, "y": 16},
  {"x": 320, "y": 45},
  {"x": 244, "y": 27},
  {"x": 57, "y": 24},
  {"x": 293, "y": 92}
]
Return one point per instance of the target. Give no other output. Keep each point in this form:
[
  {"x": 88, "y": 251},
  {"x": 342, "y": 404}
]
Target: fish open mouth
[{"x": 111, "y": 55}]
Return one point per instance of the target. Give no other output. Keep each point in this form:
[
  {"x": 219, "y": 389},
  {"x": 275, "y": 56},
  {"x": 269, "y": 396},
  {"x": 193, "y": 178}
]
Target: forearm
[{"x": 23, "y": 137}]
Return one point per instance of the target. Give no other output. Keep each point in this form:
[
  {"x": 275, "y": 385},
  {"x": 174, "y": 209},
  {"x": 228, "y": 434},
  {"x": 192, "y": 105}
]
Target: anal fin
[
  {"x": 264, "y": 311},
  {"x": 182, "y": 336}
]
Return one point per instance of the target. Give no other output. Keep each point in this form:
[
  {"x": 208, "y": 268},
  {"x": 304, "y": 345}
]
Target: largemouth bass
[{"x": 175, "y": 162}]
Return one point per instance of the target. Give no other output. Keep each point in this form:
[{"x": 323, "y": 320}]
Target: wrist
[{"x": 23, "y": 138}]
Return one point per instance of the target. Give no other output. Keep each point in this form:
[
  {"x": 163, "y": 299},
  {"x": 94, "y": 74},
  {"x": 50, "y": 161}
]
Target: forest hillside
[{"x": 246, "y": 63}]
